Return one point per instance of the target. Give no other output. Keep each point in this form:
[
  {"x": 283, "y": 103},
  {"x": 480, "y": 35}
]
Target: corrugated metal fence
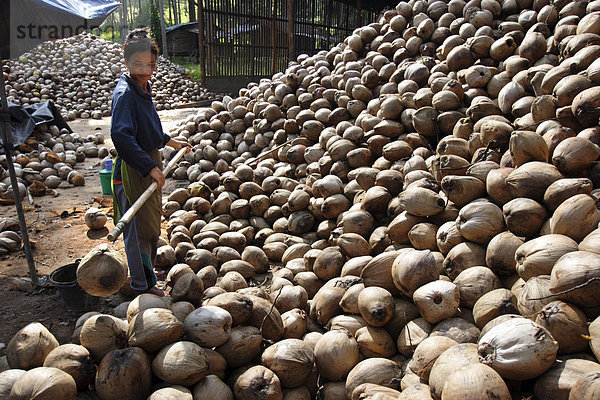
[{"x": 250, "y": 39}]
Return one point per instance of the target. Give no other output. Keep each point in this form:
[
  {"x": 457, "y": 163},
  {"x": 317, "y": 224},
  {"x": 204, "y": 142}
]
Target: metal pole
[
  {"x": 201, "y": 56},
  {"x": 13, "y": 181},
  {"x": 290, "y": 30}
]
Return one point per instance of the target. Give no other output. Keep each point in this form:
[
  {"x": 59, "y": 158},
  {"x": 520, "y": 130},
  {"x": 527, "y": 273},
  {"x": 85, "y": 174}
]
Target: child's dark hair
[{"x": 138, "y": 40}]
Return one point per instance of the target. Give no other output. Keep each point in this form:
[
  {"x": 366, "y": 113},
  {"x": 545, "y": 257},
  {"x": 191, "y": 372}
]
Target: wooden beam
[
  {"x": 201, "y": 56},
  {"x": 290, "y": 30}
]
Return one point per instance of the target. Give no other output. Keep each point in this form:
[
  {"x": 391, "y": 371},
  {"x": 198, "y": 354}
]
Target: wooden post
[
  {"x": 163, "y": 34},
  {"x": 122, "y": 24},
  {"x": 290, "y": 26},
  {"x": 201, "y": 57},
  {"x": 125, "y": 16},
  {"x": 358, "y": 12},
  {"x": 4, "y": 126},
  {"x": 273, "y": 38}
]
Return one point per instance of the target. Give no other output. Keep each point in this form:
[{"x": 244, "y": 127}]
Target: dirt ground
[{"x": 59, "y": 235}]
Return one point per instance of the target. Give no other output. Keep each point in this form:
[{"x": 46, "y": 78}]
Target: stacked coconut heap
[
  {"x": 79, "y": 74},
  {"x": 425, "y": 203}
]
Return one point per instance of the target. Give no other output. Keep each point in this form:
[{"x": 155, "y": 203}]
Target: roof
[{"x": 188, "y": 26}]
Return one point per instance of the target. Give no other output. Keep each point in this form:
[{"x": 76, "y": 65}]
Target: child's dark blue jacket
[{"x": 135, "y": 128}]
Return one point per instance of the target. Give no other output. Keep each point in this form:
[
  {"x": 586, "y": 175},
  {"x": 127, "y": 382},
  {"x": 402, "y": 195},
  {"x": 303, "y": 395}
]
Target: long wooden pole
[
  {"x": 201, "y": 56},
  {"x": 135, "y": 207},
  {"x": 13, "y": 181}
]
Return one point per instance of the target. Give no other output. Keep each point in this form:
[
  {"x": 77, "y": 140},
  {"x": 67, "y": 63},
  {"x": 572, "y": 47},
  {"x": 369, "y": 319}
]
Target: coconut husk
[
  {"x": 524, "y": 217},
  {"x": 181, "y": 363},
  {"x": 567, "y": 324},
  {"x": 124, "y": 374},
  {"x": 518, "y": 349},
  {"x": 375, "y": 342},
  {"x": 102, "y": 272},
  {"x": 30, "y": 346},
  {"x": 374, "y": 370},
  {"x": 437, "y": 300},
  {"x": 412, "y": 269},
  {"x": 74, "y": 360},
  {"x": 479, "y": 221},
  {"x": 413, "y": 333},
  {"x": 575, "y": 278},
  {"x": 427, "y": 352},
  {"x": 242, "y": 346},
  {"x": 208, "y": 326},
  {"x": 44, "y": 383},
  {"x": 212, "y": 387},
  {"x": 586, "y": 387},
  {"x": 454, "y": 358},
  {"x": 153, "y": 329},
  {"x": 493, "y": 304},
  {"x": 474, "y": 282},
  {"x": 256, "y": 383},
  {"x": 564, "y": 189},
  {"x": 376, "y": 305},
  {"x": 559, "y": 380},
  {"x": 475, "y": 381}
]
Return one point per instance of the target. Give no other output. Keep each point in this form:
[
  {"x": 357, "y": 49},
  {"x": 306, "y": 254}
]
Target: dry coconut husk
[
  {"x": 294, "y": 323},
  {"x": 427, "y": 352},
  {"x": 74, "y": 360},
  {"x": 518, "y": 349},
  {"x": 208, "y": 326},
  {"x": 175, "y": 392},
  {"x": 493, "y": 304},
  {"x": 242, "y": 346},
  {"x": 258, "y": 383},
  {"x": 576, "y": 217},
  {"x": 349, "y": 302},
  {"x": 454, "y": 358},
  {"x": 143, "y": 302},
  {"x": 211, "y": 387},
  {"x": 375, "y": 342},
  {"x": 457, "y": 329},
  {"x": 564, "y": 189},
  {"x": 181, "y": 363},
  {"x": 44, "y": 383},
  {"x": 325, "y": 304},
  {"x": 189, "y": 287},
  {"x": 266, "y": 317},
  {"x": 101, "y": 334},
  {"x": 7, "y": 380},
  {"x": 413, "y": 269},
  {"x": 575, "y": 278},
  {"x": 532, "y": 179},
  {"x": 500, "y": 253},
  {"x": 181, "y": 309},
  {"x": 479, "y": 221},
  {"x": 371, "y": 391},
  {"x": 378, "y": 272},
  {"x": 379, "y": 371},
  {"x": 567, "y": 324},
  {"x": 475, "y": 382},
  {"x": 558, "y": 381},
  {"x": 336, "y": 353},
  {"x": 538, "y": 256},
  {"x": 124, "y": 374},
  {"x": 376, "y": 305},
  {"x": 102, "y": 272},
  {"x": 524, "y": 217},
  {"x": 30, "y": 346},
  {"x": 437, "y": 300},
  {"x": 417, "y": 391},
  {"x": 463, "y": 256},
  {"x": 534, "y": 295},
  {"x": 591, "y": 242},
  {"x": 153, "y": 329},
  {"x": 474, "y": 282},
  {"x": 587, "y": 387},
  {"x": 291, "y": 360},
  {"x": 413, "y": 333}
]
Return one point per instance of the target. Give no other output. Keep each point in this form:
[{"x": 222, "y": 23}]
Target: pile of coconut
[
  {"x": 410, "y": 215},
  {"x": 47, "y": 160},
  {"x": 79, "y": 74}
]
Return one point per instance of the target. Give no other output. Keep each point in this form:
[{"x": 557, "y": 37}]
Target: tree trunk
[
  {"x": 163, "y": 34},
  {"x": 192, "y": 10},
  {"x": 122, "y": 21}
]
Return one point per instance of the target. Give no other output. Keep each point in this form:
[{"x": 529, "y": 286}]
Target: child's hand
[
  {"x": 158, "y": 176},
  {"x": 178, "y": 144}
]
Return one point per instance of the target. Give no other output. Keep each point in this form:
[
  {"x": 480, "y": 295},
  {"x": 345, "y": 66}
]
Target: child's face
[{"x": 141, "y": 65}]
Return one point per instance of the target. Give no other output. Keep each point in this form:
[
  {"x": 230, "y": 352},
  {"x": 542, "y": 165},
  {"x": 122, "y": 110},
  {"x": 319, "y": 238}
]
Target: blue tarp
[
  {"x": 87, "y": 9},
  {"x": 35, "y": 21}
]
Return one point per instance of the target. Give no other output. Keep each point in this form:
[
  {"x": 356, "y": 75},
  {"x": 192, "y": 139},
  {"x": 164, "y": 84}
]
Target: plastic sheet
[
  {"x": 35, "y": 21},
  {"x": 24, "y": 120}
]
